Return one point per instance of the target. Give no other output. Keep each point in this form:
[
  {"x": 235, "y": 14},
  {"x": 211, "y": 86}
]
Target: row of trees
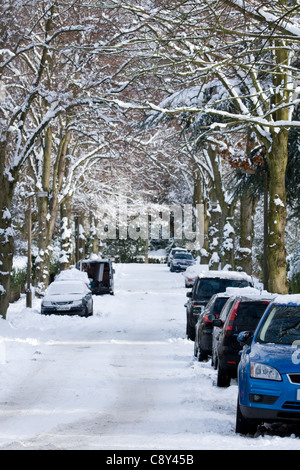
[{"x": 98, "y": 96}]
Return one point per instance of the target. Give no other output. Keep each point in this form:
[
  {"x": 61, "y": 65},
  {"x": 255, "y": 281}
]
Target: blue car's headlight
[{"x": 262, "y": 371}]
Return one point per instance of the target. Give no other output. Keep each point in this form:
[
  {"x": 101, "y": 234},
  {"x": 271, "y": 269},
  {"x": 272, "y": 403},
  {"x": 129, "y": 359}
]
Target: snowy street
[{"x": 125, "y": 378}]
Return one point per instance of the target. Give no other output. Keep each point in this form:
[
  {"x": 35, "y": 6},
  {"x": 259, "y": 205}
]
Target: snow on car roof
[
  {"x": 249, "y": 292},
  {"x": 72, "y": 274},
  {"x": 288, "y": 299},
  {"x": 225, "y": 275},
  {"x": 93, "y": 260},
  {"x": 66, "y": 287},
  {"x": 196, "y": 269}
]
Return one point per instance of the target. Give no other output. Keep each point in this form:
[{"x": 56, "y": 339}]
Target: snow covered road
[{"x": 124, "y": 379}]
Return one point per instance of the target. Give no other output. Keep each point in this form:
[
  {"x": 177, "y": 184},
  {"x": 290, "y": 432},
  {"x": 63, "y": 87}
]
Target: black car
[
  {"x": 181, "y": 261},
  {"x": 205, "y": 286},
  {"x": 240, "y": 313},
  {"x": 204, "y": 326}
]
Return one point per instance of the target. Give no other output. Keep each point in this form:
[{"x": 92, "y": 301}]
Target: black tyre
[
  {"x": 214, "y": 360},
  {"x": 223, "y": 379},
  {"x": 202, "y": 355},
  {"x": 190, "y": 333},
  {"x": 196, "y": 348},
  {"x": 243, "y": 425}
]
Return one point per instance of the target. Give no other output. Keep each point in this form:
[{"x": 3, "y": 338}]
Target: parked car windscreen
[
  {"x": 208, "y": 287},
  {"x": 183, "y": 256},
  {"x": 281, "y": 326},
  {"x": 58, "y": 288}
]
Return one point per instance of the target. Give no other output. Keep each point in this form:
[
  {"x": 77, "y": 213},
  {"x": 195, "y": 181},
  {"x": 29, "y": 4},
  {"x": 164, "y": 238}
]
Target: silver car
[
  {"x": 68, "y": 298},
  {"x": 181, "y": 261},
  {"x": 174, "y": 251}
]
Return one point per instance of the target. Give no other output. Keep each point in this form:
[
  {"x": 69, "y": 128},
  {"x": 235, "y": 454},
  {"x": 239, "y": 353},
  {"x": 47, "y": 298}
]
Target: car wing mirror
[
  {"x": 217, "y": 322},
  {"x": 244, "y": 337}
]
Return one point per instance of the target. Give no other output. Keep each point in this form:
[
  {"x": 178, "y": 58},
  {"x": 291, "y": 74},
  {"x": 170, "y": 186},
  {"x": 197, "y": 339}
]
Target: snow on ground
[{"x": 124, "y": 378}]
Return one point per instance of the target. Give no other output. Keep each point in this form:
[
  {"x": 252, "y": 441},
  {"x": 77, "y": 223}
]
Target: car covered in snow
[
  {"x": 175, "y": 250},
  {"x": 181, "y": 261},
  {"x": 269, "y": 372},
  {"x": 69, "y": 297},
  {"x": 192, "y": 272},
  {"x": 205, "y": 286}
]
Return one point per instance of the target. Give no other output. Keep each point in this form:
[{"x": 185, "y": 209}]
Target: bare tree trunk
[
  {"x": 80, "y": 237},
  {"x": 221, "y": 231},
  {"x": 93, "y": 237},
  {"x": 277, "y": 160},
  {"x": 44, "y": 239},
  {"x": 228, "y": 243},
  {"x": 6, "y": 239},
  {"x": 65, "y": 228},
  {"x": 205, "y": 248},
  {"x": 277, "y": 215},
  {"x": 49, "y": 208},
  {"x": 244, "y": 252},
  {"x": 198, "y": 213},
  {"x": 214, "y": 235}
]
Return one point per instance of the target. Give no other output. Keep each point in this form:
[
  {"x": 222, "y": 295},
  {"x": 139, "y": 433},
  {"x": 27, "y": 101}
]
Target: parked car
[
  {"x": 204, "y": 326},
  {"x": 192, "y": 272},
  {"x": 205, "y": 286},
  {"x": 175, "y": 250},
  {"x": 268, "y": 372},
  {"x": 67, "y": 297},
  {"x": 181, "y": 261},
  {"x": 242, "y": 312},
  {"x": 100, "y": 273}
]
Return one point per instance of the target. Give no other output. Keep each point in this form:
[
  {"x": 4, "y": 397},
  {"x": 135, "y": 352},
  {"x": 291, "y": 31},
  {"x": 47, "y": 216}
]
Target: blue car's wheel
[{"x": 243, "y": 425}]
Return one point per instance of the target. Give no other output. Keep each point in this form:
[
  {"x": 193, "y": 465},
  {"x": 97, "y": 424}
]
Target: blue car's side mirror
[{"x": 244, "y": 337}]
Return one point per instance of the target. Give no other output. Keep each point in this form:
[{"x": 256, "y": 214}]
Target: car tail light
[
  {"x": 231, "y": 318},
  {"x": 206, "y": 318}
]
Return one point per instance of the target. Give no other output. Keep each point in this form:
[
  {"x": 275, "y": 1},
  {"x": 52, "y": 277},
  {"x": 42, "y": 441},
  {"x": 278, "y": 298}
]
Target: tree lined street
[{"x": 184, "y": 102}]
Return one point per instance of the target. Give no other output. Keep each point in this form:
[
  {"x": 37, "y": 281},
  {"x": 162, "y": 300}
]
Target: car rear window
[
  {"x": 248, "y": 315},
  {"x": 218, "y": 304},
  {"x": 281, "y": 326},
  {"x": 183, "y": 256},
  {"x": 207, "y": 287}
]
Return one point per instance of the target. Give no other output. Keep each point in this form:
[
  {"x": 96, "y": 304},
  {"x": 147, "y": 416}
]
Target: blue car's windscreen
[{"x": 281, "y": 326}]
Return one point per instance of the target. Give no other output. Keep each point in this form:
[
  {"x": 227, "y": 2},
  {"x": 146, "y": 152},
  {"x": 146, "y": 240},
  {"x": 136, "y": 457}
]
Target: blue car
[{"x": 269, "y": 369}]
